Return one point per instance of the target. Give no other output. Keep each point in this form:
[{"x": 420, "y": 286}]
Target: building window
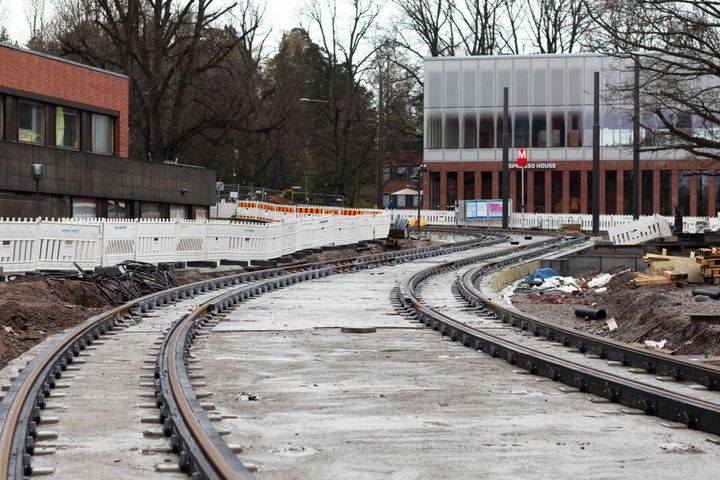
[
  {"x": 522, "y": 128},
  {"x": 557, "y": 119},
  {"x": 665, "y": 192},
  {"x": 117, "y": 209},
  {"x": 84, "y": 207},
  {"x": 539, "y": 129},
  {"x": 684, "y": 191},
  {"x": 31, "y": 120},
  {"x": 575, "y": 129},
  {"x": 452, "y": 189},
  {"x": 610, "y": 192},
  {"x": 486, "y": 185},
  {"x": 647, "y": 192},
  {"x": 452, "y": 129},
  {"x": 178, "y": 212},
  {"x": 433, "y": 129},
  {"x": 702, "y": 194},
  {"x": 487, "y": 128},
  {"x": 102, "y": 134},
  {"x": 201, "y": 213},
  {"x": 66, "y": 127},
  {"x": 434, "y": 190},
  {"x": 539, "y": 191},
  {"x": 150, "y": 210},
  {"x": 557, "y": 192},
  {"x": 575, "y": 192},
  {"x": 469, "y": 188},
  {"x": 469, "y": 129},
  {"x": 627, "y": 192}
]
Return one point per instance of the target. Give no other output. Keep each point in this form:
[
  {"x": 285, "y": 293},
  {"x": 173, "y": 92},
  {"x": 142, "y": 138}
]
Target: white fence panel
[
  {"x": 119, "y": 241},
  {"x": 155, "y": 241},
  {"x": 190, "y": 240},
  {"x": 18, "y": 241},
  {"x": 61, "y": 243}
]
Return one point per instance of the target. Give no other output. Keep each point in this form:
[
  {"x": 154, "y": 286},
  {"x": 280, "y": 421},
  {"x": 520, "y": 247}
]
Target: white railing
[
  {"x": 547, "y": 221},
  {"x": 35, "y": 244}
]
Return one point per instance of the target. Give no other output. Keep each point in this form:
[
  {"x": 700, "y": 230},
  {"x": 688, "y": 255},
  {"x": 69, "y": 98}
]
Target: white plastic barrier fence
[
  {"x": 642, "y": 230},
  {"x": 27, "y": 245},
  {"x": 548, "y": 221}
]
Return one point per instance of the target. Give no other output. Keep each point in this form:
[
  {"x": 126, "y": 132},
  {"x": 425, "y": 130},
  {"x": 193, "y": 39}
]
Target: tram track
[
  {"x": 22, "y": 407},
  {"x": 583, "y": 361}
]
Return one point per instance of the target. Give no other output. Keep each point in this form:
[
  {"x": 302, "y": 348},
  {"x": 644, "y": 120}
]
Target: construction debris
[
  {"x": 684, "y": 269},
  {"x": 570, "y": 228},
  {"x": 709, "y": 261},
  {"x": 643, "y": 280}
]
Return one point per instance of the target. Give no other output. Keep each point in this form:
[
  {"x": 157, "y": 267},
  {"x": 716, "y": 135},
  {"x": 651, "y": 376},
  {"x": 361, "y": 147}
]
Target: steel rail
[
  {"x": 695, "y": 413},
  {"x": 21, "y": 408},
  {"x": 608, "y": 349}
]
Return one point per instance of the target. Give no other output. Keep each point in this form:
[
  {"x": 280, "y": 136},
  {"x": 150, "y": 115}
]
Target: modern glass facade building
[{"x": 550, "y": 115}]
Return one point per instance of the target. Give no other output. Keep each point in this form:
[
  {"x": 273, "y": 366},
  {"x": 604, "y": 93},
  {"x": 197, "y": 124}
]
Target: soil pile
[{"x": 659, "y": 312}]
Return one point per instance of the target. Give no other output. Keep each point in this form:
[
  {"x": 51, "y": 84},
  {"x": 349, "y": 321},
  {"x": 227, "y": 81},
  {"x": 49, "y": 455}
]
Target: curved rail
[
  {"x": 21, "y": 408},
  {"x": 694, "y": 413}
]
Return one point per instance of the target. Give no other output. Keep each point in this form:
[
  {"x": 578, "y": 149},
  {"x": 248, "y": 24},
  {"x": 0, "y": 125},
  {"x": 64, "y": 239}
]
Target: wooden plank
[
  {"x": 653, "y": 257},
  {"x": 675, "y": 275}
]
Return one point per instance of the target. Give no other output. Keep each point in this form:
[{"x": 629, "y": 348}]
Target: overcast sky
[{"x": 280, "y": 15}]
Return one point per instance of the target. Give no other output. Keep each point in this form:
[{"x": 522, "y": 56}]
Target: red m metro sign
[{"x": 521, "y": 157}]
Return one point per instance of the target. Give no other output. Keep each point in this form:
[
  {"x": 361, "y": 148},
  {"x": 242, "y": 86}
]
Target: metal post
[
  {"x": 380, "y": 143},
  {"x": 596, "y": 157},
  {"x": 522, "y": 196},
  {"x": 636, "y": 141},
  {"x": 505, "y": 160},
  {"x": 419, "y": 203}
]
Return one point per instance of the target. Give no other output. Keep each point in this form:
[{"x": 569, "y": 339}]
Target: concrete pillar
[
  {"x": 693, "y": 197},
  {"x": 529, "y": 191},
  {"x": 495, "y": 185},
  {"x": 460, "y": 185},
  {"x": 620, "y": 188},
  {"x": 478, "y": 184}
]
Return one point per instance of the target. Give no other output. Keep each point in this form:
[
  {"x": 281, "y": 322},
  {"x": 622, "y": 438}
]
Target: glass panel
[
  {"x": 702, "y": 193},
  {"x": 557, "y": 86},
  {"x": 31, "y": 120},
  {"x": 522, "y": 83},
  {"x": 574, "y": 191},
  {"x": 452, "y": 129},
  {"x": 117, "y": 209},
  {"x": 504, "y": 75},
  {"x": 588, "y": 131},
  {"x": 647, "y": 192},
  {"x": 557, "y": 132},
  {"x": 487, "y": 128},
  {"x": 522, "y": 128},
  {"x": 452, "y": 85},
  {"x": 666, "y": 192},
  {"x": 469, "y": 129},
  {"x": 433, "y": 88},
  {"x": 538, "y": 191},
  {"x": 433, "y": 129},
  {"x": 557, "y": 191},
  {"x": 611, "y": 192},
  {"x": 499, "y": 128},
  {"x": 575, "y": 131},
  {"x": 627, "y": 192},
  {"x": 66, "y": 127},
  {"x": 201, "y": 213},
  {"x": 575, "y": 81},
  {"x": 84, "y": 207},
  {"x": 487, "y": 84},
  {"x": 150, "y": 210},
  {"x": 469, "y": 84},
  {"x": 539, "y": 129},
  {"x": 102, "y": 131},
  {"x": 539, "y": 85},
  {"x": 684, "y": 191}
]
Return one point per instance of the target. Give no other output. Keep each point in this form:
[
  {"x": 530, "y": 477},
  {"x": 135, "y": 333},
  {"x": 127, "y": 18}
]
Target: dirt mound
[
  {"x": 31, "y": 309},
  {"x": 657, "y": 313}
]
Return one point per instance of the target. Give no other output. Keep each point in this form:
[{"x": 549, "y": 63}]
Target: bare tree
[
  {"x": 426, "y": 27},
  {"x": 478, "y": 24},
  {"x": 677, "y": 46},
  {"x": 347, "y": 59},
  {"x": 514, "y": 18},
  {"x": 4, "y": 37},
  {"x": 557, "y": 26},
  {"x": 36, "y": 16}
]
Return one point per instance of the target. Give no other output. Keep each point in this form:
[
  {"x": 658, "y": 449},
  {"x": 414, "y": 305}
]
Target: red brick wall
[{"x": 29, "y": 72}]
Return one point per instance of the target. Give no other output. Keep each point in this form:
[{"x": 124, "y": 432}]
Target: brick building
[
  {"x": 550, "y": 115},
  {"x": 73, "y": 120}
]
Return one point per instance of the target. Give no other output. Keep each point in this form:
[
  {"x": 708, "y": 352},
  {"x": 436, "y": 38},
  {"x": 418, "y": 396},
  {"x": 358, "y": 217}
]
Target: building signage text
[{"x": 535, "y": 165}]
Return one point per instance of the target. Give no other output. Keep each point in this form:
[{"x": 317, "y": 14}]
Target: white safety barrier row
[
  {"x": 549, "y": 221},
  {"x": 28, "y": 245}
]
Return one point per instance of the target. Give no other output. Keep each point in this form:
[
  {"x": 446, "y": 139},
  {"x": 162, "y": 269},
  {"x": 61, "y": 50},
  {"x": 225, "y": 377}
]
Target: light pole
[{"x": 423, "y": 168}]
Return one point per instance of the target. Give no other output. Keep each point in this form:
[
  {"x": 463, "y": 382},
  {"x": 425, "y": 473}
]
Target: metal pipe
[
  {"x": 712, "y": 292},
  {"x": 636, "y": 142},
  {"x": 505, "y": 160},
  {"x": 589, "y": 312}
]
